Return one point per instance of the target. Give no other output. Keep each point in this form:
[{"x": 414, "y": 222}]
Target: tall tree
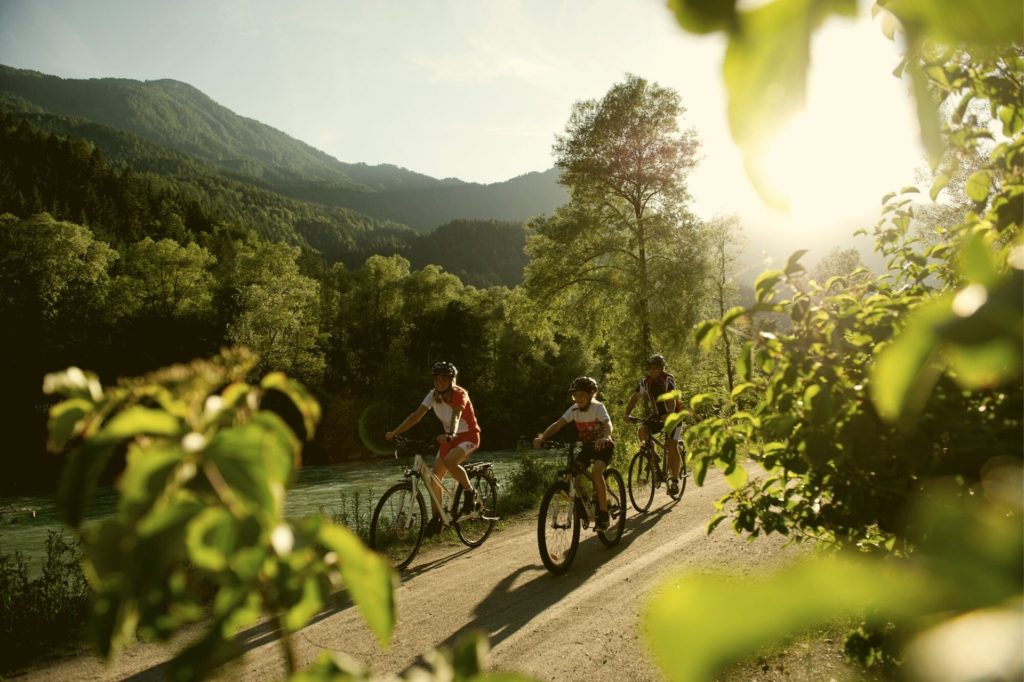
[{"x": 625, "y": 243}]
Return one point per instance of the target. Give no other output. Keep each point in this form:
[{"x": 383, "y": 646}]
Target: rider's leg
[
  {"x": 672, "y": 448},
  {"x": 597, "y": 476},
  {"x": 435, "y": 483},
  {"x": 452, "y": 460}
]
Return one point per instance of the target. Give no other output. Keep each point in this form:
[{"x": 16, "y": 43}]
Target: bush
[{"x": 38, "y": 613}]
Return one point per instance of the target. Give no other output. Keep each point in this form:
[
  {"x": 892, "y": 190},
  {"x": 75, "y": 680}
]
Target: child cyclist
[
  {"x": 594, "y": 427},
  {"x": 653, "y": 384},
  {"x": 452, "y": 406}
]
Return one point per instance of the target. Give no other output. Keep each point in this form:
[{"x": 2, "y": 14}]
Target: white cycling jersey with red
[
  {"x": 589, "y": 420},
  {"x": 457, "y": 399}
]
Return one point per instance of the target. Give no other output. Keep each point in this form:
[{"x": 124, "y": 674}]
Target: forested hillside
[{"x": 175, "y": 116}]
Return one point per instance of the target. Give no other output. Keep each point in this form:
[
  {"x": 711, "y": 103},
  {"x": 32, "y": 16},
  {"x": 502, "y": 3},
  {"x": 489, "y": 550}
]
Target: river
[{"x": 354, "y": 486}]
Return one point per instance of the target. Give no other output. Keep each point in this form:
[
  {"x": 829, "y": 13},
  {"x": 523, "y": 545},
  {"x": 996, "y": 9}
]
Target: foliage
[
  {"x": 201, "y": 500},
  {"x": 37, "y": 614},
  {"x": 888, "y": 418}
]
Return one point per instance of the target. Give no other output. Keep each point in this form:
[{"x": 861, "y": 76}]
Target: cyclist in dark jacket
[{"x": 655, "y": 383}]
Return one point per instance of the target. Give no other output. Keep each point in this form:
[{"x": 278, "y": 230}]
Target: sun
[{"x": 856, "y": 139}]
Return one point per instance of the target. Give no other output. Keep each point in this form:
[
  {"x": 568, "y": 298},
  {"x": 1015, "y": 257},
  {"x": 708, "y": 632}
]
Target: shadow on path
[{"x": 506, "y": 609}]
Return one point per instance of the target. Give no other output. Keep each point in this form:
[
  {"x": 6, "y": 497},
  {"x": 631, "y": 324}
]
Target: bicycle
[
  {"x": 649, "y": 469},
  {"x": 399, "y": 519},
  {"x": 569, "y": 502}
]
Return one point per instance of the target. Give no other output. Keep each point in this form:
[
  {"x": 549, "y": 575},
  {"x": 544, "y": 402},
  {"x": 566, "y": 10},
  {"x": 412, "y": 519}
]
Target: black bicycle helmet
[
  {"x": 583, "y": 384},
  {"x": 445, "y": 369},
  {"x": 656, "y": 360}
]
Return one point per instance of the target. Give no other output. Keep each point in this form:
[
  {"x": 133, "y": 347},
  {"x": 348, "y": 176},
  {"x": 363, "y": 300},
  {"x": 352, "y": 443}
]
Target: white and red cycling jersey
[
  {"x": 588, "y": 420},
  {"x": 457, "y": 399}
]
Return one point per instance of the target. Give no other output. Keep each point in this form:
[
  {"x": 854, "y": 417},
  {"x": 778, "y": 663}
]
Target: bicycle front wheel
[
  {"x": 474, "y": 528},
  {"x": 641, "y": 481},
  {"x": 616, "y": 492},
  {"x": 396, "y": 528},
  {"x": 558, "y": 528}
]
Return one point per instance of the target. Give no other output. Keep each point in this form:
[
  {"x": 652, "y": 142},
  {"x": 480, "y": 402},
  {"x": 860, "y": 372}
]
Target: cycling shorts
[
  {"x": 656, "y": 423},
  {"x": 467, "y": 442},
  {"x": 589, "y": 454}
]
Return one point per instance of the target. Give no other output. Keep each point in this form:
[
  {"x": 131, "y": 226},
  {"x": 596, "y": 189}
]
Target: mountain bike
[
  {"x": 649, "y": 469},
  {"x": 398, "y": 521},
  {"x": 570, "y": 502}
]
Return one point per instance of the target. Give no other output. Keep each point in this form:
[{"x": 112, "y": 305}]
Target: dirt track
[{"x": 584, "y": 625}]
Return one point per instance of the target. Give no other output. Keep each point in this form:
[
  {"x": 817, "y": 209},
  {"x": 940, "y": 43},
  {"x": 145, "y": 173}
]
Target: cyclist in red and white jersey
[
  {"x": 461, "y": 438},
  {"x": 654, "y": 383}
]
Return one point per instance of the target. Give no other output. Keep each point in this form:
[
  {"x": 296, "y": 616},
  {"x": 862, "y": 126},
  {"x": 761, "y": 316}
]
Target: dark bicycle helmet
[
  {"x": 445, "y": 369},
  {"x": 583, "y": 384},
  {"x": 656, "y": 360}
]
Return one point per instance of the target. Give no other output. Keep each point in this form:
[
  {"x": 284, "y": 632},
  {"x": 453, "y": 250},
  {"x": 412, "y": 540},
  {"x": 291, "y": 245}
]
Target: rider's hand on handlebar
[
  {"x": 537, "y": 442},
  {"x": 390, "y": 435}
]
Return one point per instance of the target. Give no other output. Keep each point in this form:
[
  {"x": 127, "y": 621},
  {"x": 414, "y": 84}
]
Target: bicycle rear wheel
[
  {"x": 641, "y": 481},
  {"x": 558, "y": 528},
  {"x": 474, "y": 528},
  {"x": 396, "y": 528},
  {"x": 616, "y": 492}
]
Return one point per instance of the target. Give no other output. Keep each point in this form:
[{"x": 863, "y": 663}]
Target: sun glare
[{"x": 856, "y": 139}]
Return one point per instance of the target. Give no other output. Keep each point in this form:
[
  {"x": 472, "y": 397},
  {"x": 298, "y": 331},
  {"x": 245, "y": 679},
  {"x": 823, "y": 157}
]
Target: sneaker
[
  {"x": 602, "y": 520},
  {"x": 468, "y": 502},
  {"x": 433, "y": 527},
  {"x": 673, "y": 487}
]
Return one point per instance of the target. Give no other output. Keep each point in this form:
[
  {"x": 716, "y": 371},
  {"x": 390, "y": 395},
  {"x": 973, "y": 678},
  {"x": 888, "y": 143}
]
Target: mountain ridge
[{"x": 178, "y": 115}]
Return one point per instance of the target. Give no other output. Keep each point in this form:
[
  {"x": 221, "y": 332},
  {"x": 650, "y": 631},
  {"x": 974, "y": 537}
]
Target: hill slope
[{"x": 179, "y": 117}]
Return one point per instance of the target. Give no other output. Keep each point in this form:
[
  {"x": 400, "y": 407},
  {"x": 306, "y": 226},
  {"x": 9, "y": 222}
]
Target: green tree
[
  {"x": 625, "y": 243},
  {"x": 164, "y": 279},
  {"x": 278, "y": 311}
]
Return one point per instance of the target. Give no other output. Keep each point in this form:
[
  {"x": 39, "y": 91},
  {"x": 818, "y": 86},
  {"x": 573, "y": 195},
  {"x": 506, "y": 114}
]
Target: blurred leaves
[{"x": 201, "y": 510}]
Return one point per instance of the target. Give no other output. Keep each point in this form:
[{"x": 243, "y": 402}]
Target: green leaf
[
  {"x": 904, "y": 373},
  {"x": 1012, "y": 118},
  {"x": 766, "y": 282},
  {"x": 740, "y": 389},
  {"x": 743, "y": 361},
  {"x": 927, "y": 116},
  {"x": 65, "y": 421},
  {"x": 987, "y": 365},
  {"x": 736, "y": 477},
  {"x": 81, "y": 473},
  {"x": 308, "y": 606},
  {"x": 753, "y": 614},
  {"x": 137, "y": 420},
  {"x": 707, "y": 333},
  {"x": 211, "y": 539},
  {"x": 978, "y": 185},
  {"x": 704, "y": 16},
  {"x": 733, "y": 314},
  {"x": 981, "y": 22},
  {"x": 793, "y": 264},
  {"x": 368, "y": 577},
  {"x": 304, "y": 401},
  {"x": 977, "y": 261},
  {"x": 701, "y": 400},
  {"x": 146, "y": 475}
]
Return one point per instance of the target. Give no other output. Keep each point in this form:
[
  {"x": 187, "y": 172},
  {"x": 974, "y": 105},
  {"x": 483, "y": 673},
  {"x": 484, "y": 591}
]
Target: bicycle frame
[
  {"x": 572, "y": 475},
  {"x": 420, "y": 471}
]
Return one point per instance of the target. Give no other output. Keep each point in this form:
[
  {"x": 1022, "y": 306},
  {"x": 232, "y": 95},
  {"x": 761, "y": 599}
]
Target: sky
[{"x": 478, "y": 89}]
